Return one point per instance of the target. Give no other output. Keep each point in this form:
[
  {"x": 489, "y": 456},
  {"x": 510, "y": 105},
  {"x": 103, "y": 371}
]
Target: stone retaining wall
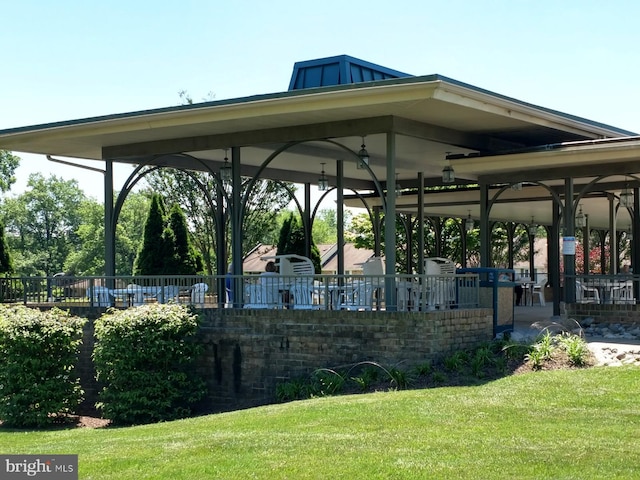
[{"x": 248, "y": 352}]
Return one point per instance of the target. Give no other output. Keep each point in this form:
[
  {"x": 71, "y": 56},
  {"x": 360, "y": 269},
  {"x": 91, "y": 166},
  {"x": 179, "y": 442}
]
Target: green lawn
[{"x": 580, "y": 424}]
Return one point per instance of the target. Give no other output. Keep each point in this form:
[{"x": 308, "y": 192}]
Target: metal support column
[
  {"x": 236, "y": 225},
  {"x": 553, "y": 249},
  {"x": 377, "y": 227},
  {"x": 613, "y": 236},
  {"x": 635, "y": 241},
  {"x": 390, "y": 226},
  {"x": 586, "y": 244},
  {"x": 340, "y": 214},
  {"x": 485, "y": 234},
  {"x": 306, "y": 221},
  {"x": 222, "y": 262},
  {"x": 569, "y": 231},
  {"x": 420, "y": 219},
  {"x": 109, "y": 222}
]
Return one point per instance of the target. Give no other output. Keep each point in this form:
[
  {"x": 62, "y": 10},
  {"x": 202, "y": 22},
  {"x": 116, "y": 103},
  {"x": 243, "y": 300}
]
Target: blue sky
[{"x": 73, "y": 59}]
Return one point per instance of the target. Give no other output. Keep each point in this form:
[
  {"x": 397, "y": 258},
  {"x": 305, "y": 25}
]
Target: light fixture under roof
[
  {"x": 363, "y": 155},
  {"x": 580, "y": 220},
  {"x": 225, "y": 170},
  {"x": 448, "y": 174},
  {"x": 323, "y": 182},
  {"x": 626, "y": 196},
  {"x": 468, "y": 223},
  {"x": 533, "y": 228}
]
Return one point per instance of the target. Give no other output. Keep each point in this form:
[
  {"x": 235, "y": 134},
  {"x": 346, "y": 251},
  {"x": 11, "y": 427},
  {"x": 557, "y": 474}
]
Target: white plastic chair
[
  {"x": 404, "y": 295},
  {"x": 302, "y": 293},
  {"x": 135, "y": 294},
  {"x": 171, "y": 293},
  {"x": 271, "y": 290},
  {"x": 438, "y": 291},
  {"x": 266, "y": 293},
  {"x": 358, "y": 296},
  {"x": 100, "y": 296},
  {"x": 586, "y": 294},
  {"x": 623, "y": 293},
  {"x": 374, "y": 269},
  {"x": 538, "y": 290},
  {"x": 253, "y": 296},
  {"x": 198, "y": 293}
]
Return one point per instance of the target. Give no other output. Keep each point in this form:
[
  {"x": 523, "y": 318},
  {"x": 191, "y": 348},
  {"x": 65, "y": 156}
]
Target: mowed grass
[{"x": 564, "y": 424}]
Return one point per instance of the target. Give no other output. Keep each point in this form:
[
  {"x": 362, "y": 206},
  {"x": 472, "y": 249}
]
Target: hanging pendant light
[
  {"x": 580, "y": 220},
  {"x": 533, "y": 228},
  {"x": 448, "y": 174},
  {"x": 225, "y": 170},
  {"x": 323, "y": 182},
  {"x": 468, "y": 223},
  {"x": 364, "y": 156},
  {"x": 626, "y": 196}
]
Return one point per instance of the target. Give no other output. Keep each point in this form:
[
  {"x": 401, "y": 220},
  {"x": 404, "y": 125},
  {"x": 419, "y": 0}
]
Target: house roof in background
[
  {"x": 254, "y": 261},
  {"x": 353, "y": 259}
]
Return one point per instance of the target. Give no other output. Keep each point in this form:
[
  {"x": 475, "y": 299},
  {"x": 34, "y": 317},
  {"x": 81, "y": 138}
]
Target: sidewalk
[{"x": 530, "y": 320}]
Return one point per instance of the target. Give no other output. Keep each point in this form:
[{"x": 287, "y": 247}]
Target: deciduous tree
[
  {"x": 42, "y": 223},
  {"x": 8, "y": 165}
]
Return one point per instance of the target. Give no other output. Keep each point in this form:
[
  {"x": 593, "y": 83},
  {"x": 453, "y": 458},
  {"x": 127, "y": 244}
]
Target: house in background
[
  {"x": 353, "y": 259},
  {"x": 255, "y": 261}
]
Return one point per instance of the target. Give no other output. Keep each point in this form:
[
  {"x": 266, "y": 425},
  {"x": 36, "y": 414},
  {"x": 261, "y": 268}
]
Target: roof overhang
[{"x": 429, "y": 115}]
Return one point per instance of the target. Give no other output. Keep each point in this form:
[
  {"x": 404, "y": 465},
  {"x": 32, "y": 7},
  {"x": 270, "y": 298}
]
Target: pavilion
[{"x": 363, "y": 127}]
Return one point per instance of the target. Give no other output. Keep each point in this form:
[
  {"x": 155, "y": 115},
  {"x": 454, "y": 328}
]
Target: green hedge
[
  {"x": 145, "y": 359},
  {"x": 38, "y": 354}
]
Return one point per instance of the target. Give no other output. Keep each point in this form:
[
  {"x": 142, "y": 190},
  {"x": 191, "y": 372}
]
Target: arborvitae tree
[
  {"x": 6, "y": 265},
  {"x": 188, "y": 261},
  {"x": 296, "y": 243},
  {"x": 283, "y": 239},
  {"x": 170, "y": 261},
  {"x": 292, "y": 241},
  {"x": 150, "y": 259}
]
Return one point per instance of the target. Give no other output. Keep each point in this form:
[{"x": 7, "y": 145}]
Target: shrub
[
  {"x": 456, "y": 361},
  {"x": 38, "y": 352},
  {"x": 326, "y": 381},
  {"x": 576, "y": 349},
  {"x": 145, "y": 358}
]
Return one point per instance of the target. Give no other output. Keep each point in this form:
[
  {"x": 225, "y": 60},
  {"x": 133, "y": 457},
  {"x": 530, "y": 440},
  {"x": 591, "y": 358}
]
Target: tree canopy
[
  {"x": 8, "y": 165},
  {"x": 42, "y": 223}
]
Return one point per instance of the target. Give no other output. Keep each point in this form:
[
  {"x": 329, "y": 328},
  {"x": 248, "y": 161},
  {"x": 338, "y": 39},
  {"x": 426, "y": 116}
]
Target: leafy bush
[
  {"x": 38, "y": 352},
  {"x": 326, "y": 381},
  {"x": 456, "y": 361},
  {"x": 145, "y": 358},
  {"x": 576, "y": 349}
]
